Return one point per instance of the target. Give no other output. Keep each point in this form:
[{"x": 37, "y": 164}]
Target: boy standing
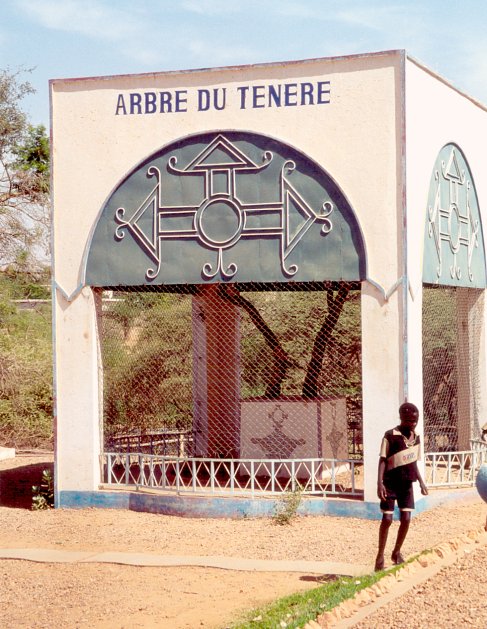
[{"x": 398, "y": 470}]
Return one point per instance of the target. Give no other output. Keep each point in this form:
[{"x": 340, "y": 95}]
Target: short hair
[{"x": 408, "y": 410}]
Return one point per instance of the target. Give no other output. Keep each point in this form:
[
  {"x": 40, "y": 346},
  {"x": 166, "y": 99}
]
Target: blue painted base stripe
[
  {"x": 218, "y": 507},
  {"x": 443, "y": 497}
]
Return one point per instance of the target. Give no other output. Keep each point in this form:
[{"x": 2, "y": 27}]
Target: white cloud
[
  {"x": 212, "y": 7},
  {"x": 374, "y": 18},
  {"x": 91, "y": 18},
  {"x": 303, "y": 11},
  {"x": 230, "y": 54},
  {"x": 370, "y": 15},
  {"x": 128, "y": 32}
]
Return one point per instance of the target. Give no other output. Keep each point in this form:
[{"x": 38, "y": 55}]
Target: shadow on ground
[
  {"x": 322, "y": 578},
  {"x": 16, "y": 484}
]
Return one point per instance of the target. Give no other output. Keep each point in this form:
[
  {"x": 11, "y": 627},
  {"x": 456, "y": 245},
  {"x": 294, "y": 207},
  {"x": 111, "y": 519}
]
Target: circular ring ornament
[{"x": 219, "y": 222}]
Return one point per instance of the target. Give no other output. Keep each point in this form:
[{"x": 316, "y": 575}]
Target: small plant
[
  {"x": 287, "y": 506},
  {"x": 43, "y": 494}
]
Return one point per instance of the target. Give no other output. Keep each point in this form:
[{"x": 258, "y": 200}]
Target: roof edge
[
  {"x": 442, "y": 79},
  {"x": 269, "y": 64}
]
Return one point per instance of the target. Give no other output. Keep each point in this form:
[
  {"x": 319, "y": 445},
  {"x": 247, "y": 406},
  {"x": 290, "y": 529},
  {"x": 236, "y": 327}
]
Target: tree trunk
[
  {"x": 281, "y": 360},
  {"x": 335, "y": 307}
]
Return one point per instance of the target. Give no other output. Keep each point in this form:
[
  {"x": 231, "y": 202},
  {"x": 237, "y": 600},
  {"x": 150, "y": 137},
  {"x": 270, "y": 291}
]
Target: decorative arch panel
[
  {"x": 225, "y": 206},
  {"x": 454, "y": 253}
]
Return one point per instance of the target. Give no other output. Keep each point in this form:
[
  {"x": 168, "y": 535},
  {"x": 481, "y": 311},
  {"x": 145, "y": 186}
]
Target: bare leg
[
  {"x": 397, "y": 558},
  {"x": 383, "y": 532}
]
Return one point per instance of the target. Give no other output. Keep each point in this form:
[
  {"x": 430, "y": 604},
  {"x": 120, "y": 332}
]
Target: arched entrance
[
  {"x": 454, "y": 280},
  {"x": 231, "y": 338}
]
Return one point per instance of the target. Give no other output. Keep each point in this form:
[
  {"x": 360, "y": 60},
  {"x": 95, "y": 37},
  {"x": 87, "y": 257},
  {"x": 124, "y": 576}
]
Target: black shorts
[{"x": 404, "y": 496}]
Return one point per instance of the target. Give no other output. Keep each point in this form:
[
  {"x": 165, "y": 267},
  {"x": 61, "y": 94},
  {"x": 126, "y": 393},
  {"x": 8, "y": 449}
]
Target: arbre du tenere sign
[{"x": 275, "y": 95}]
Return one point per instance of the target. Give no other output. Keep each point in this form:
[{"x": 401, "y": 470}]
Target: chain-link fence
[
  {"x": 233, "y": 371},
  {"x": 452, "y": 324}
]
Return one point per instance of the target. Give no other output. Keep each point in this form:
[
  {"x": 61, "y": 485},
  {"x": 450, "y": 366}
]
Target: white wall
[
  {"x": 437, "y": 115},
  {"x": 353, "y": 138}
]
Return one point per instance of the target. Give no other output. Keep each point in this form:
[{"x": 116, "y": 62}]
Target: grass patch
[{"x": 297, "y": 609}]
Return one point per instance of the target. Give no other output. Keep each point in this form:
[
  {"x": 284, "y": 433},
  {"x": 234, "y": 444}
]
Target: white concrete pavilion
[{"x": 380, "y": 166}]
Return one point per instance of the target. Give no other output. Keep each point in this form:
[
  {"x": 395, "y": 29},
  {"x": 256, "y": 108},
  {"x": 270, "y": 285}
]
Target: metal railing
[
  {"x": 455, "y": 469},
  {"x": 165, "y": 442},
  {"x": 331, "y": 477}
]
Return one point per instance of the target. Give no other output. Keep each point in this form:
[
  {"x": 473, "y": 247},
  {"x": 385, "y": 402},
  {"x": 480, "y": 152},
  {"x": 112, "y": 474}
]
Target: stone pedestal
[{"x": 294, "y": 429}]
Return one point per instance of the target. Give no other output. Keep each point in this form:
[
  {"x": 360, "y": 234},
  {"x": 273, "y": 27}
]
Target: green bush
[
  {"x": 147, "y": 363},
  {"x": 43, "y": 494},
  {"x": 25, "y": 371}
]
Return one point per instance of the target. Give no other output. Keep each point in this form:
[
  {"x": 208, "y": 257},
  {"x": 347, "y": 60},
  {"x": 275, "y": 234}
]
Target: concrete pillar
[
  {"x": 382, "y": 382},
  {"x": 200, "y": 384},
  {"x": 413, "y": 363},
  {"x": 78, "y": 427},
  {"x": 216, "y": 374}
]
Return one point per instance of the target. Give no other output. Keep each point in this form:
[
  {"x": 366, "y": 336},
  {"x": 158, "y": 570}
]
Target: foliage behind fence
[
  {"x": 25, "y": 369},
  {"x": 452, "y": 326},
  {"x": 148, "y": 349}
]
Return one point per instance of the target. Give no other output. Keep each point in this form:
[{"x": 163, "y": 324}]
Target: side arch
[
  {"x": 225, "y": 206},
  {"x": 454, "y": 253}
]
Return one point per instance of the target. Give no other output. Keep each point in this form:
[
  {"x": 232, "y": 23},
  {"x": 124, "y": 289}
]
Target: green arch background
[{"x": 338, "y": 255}]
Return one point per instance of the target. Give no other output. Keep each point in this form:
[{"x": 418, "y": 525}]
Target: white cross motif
[
  {"x": 453, "y": 224},
  {"x": 222, "y": 218}
]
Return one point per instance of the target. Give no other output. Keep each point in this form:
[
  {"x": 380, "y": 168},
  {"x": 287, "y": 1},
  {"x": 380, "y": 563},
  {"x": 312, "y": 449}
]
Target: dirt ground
[
  {"x": 455, "y": 597},
  {"x": 114, "y": 596}
]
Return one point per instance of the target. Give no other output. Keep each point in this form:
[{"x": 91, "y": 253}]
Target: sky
[{"x": 79, "y": 38}]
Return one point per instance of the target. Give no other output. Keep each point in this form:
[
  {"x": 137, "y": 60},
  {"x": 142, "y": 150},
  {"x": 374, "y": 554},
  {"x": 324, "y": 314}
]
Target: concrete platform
[
  {"x": 216, "y": 506},
  {"x": 6, "y": 453}
]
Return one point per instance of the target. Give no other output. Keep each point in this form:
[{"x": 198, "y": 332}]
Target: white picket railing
[
  {"x": 232, "y": 476},
  {"x": 330, "y": 477},
  {"x": 455, "y": 469}
]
